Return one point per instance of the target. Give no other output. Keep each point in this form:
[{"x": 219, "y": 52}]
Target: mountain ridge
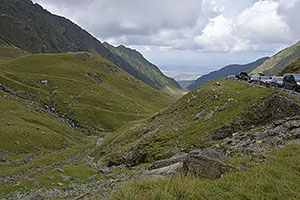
[
  {"x": 34, "y": 29},
  {"x": 226, "y": 71},
  {"x": 151, "y": 73},
  {"x": 279, "y": 61}
]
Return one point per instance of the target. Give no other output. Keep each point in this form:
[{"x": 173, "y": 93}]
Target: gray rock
[
  {"x": 224, "y": 106},
  {"x": 164, "y": 171},
  {"x": 44, "y": 82},
  {"x": 167, "y": 162},
  {"x": 36, "y": 183},
  {"x": 293, "y": 124},
  {"x": 223, "y": 132},
  {"x": 275, "y": 141},
  {"x": 2, "y": 159},
  {"x": 205, "y": 167},
  {"x": 209, "y": 116},
  {"x": 67, "y": 178},
  {"x": 33, "y": 197},
  {"x": 91, "y": 179},
  {"x": 291, "y": 142},
  {"x": 212, "y": 153},
  {"x": 295, "y": 133},
  {"x": 10, "y": 124},
  {"x": 104, "y": 171},
  {"x": 68, "y": 188},
  {"x": 199, "y": 115},
  {"x": 60, "y": 170}
]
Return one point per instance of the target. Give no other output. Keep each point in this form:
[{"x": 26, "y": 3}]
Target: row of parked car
[{"x": 288, "y": 81}]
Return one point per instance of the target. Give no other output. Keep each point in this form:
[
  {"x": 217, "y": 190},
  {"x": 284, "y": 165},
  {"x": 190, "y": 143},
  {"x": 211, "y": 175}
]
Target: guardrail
[{"x": 280, "y": 89}]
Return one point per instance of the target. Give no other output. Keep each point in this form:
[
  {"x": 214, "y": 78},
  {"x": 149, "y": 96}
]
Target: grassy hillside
[
  {"x": 151, "y": 75},
  {"x": 293, "y": 68},
  {"x": 33, "y": 142},
  {"x": 82, "y": 86},
  {"x": 53, "y": 110},
  {"x": 190, "y": 122},
  {"x": 276, "y": 179},
  {"x": 279, "y": 61},
  {"x": 34, "y": 29},
  {"x": 8, "y": 51},
  {"x": 25, "y": 127}
]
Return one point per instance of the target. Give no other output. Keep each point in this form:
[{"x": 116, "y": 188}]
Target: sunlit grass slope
[{"x": 84, "y": 87}]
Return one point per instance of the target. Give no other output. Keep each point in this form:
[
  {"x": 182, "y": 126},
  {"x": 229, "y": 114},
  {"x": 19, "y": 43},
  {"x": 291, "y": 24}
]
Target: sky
[{"x": 188, "y": 38}]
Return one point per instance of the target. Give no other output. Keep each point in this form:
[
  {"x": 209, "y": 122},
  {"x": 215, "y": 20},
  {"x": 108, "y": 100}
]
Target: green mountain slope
[
  {"x": 191, "y": 122},
  {"x": 279, "y": 61},
  {"x": 32, "y": 28},
  {"x": 151, "y": 74},
  {"x": 54, "y": 108},
  {"x": 25, "y": 127},
  {"x": 8, "y": 51},
  {"x": 82, "y": 86},
  {"x": 292, "y": 68}
]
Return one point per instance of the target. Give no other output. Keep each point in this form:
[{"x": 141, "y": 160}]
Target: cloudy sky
[{"x": 187, "y": 38}]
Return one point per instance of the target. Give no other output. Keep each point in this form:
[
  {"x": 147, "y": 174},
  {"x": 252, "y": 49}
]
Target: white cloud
[
  {"x": 257, "y": 28},
  {"x": 289, "y": 11},
  {"x": 262, "y": 24},
  {"x": 196, "y": 28},
  {"x": 217, "y": 35}
]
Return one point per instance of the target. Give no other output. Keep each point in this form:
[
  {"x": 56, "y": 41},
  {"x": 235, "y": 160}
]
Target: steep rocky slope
[
  {"x": 34, "y": 29},
  {"x": 279, "y": 61},
  {"x": 226, "y": 71}
]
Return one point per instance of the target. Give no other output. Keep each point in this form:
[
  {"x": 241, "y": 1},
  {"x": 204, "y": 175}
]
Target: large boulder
[
  {"x": 163, "y": 171},
  {"x": 223, "y": 132},
  {"x": 168, "y": 162},
  {"x": 205, "y": 167}
]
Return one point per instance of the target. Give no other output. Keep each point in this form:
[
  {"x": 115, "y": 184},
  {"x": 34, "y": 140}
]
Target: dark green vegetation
[
  {"x": 277, "y": 179},
  {"x": 8, "y": 51},
  {"x": 149, "y": 73},
  {"x": 83, "y": 87},
  {"x": 190, "y": 122},
  {"x": 293, "y": 68},
  {"x": 31, "y": 28},
  {"x": 279, "y": 61},
  {"x": 226, "y": 71}
]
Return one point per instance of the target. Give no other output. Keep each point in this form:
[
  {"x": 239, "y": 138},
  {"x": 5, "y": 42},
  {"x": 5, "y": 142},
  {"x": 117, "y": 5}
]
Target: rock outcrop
[{"x": 205, "y": 167}]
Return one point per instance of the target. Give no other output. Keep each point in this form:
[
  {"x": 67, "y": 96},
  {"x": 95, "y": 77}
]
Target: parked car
[
  {"x": 231, "y": 77},
  {"x": 255, "y": 79},
  {"x": 276, "y": 81},
  {"x": 291, "y": 82},
  {"x": 243, "y": 76},
  {"x": 265, "y": 80}
]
